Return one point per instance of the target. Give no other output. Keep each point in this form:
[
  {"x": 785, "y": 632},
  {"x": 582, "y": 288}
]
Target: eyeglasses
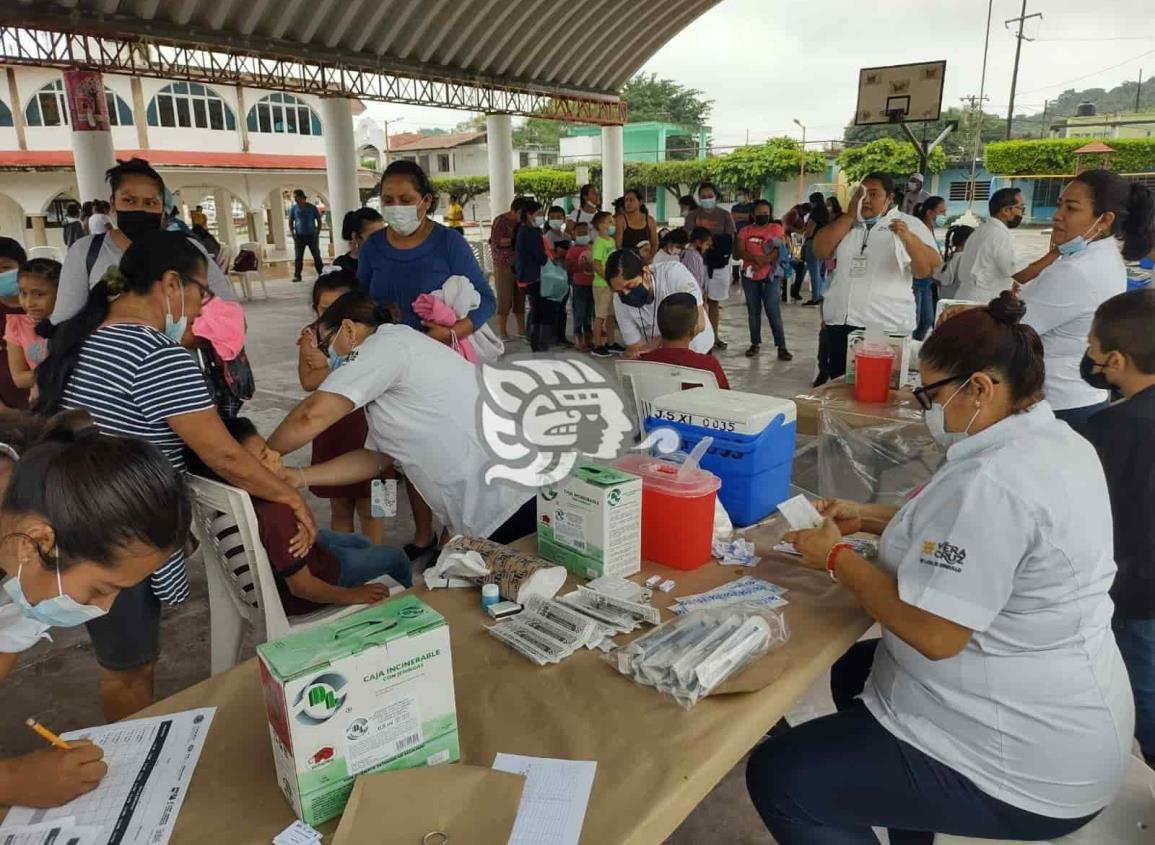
[
  {"x": 924, "y": 394},
  {"x": 207, "y": 295},
  {"x": 323, "y": 343}
]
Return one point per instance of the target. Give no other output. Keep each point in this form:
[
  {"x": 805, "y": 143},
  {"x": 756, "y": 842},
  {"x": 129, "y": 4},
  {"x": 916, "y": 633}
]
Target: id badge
[
  {"x": 858, "y": 266},
  {"x": 383, "y": 497}
]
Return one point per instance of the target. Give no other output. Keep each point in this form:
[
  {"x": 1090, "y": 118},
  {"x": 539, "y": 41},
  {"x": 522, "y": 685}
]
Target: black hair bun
[{"x": 1007, "y": 309}]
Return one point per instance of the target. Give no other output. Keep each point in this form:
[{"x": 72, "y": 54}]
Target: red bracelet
[{"x": 832, "y": 556}]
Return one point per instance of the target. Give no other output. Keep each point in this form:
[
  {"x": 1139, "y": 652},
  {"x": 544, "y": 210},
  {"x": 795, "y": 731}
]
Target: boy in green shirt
[{"x": 603, "y": 224}]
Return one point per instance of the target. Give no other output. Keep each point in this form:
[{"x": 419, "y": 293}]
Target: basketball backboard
[{"x": 900, "y": 93}]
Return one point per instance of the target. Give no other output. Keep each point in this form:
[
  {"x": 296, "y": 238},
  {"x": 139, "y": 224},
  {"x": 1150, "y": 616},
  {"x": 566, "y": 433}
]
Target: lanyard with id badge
[{"x": 858, "y": 262}]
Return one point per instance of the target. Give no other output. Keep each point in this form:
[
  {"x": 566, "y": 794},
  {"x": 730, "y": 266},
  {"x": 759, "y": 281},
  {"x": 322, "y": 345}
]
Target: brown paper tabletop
[
  {"x": 656, "y": 761},
  {"x": 838, "y": 397}
]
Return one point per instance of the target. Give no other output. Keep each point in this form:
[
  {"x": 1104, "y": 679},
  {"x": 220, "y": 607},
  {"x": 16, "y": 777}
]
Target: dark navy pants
[{"x": 829, "y": 781}]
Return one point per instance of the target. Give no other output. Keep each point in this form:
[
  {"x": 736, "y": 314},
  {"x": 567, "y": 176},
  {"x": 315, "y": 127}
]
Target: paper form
[
  {"x": 553, "y": 803},
  {"x": 150, "y": 763},
  {"x": 63, "y": 833}
]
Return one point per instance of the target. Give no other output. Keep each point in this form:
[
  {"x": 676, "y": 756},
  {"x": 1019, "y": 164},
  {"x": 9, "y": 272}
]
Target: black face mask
[
  {"x": 136, "y": 224},
  {"x": 1014, "y": 222},
  {"x": 761, "y": 219},
  {"x": 637, "y": 297},
  {"x": 1087, "y": 367}
]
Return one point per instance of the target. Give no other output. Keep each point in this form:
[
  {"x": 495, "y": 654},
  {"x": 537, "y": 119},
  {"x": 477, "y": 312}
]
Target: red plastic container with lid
[
  {"x": 677, "y": 511},
  {"x": 873, "y": 363}
]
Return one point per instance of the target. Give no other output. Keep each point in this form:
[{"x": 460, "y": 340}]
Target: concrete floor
[{"x": 55, "y": 683}]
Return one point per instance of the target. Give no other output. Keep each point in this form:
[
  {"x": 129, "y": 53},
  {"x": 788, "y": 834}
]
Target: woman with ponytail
[
  {"x": 1101, "y": 220},
  {"x": 421, "y": 398},
  {"x": 996, "y": 704},
  {"x": 121, "y": 359}
]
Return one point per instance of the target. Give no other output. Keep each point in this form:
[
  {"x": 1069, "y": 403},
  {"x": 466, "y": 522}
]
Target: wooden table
[{"x": 656, "y": 761}]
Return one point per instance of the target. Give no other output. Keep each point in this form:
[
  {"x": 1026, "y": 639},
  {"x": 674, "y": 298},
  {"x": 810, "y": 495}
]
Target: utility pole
[
  {"x": 1043, "y": 127},
  {"x": 979, "y": 124},
  {"x": 1020, "y": 38},
  {"x": 1138, "y": 89}
]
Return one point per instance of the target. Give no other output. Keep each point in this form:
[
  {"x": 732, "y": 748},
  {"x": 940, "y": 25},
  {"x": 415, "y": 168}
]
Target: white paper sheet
[
  {"x": 150, "y": 763},
  {"x": 553, "y": 803},
  {"x": 64, "y": 832}
]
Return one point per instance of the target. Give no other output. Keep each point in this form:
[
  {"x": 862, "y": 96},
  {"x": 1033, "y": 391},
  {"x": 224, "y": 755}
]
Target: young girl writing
[
  {"x": 349, "y": 500},
  {"x": 38, "y": 281}
]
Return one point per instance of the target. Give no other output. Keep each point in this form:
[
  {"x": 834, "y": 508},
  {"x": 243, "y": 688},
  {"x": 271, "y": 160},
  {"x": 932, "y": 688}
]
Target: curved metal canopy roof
[{"x": 584, "y": 50}]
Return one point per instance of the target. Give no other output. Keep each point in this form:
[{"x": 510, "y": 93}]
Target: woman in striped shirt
[{"x": 121, "y": 360}]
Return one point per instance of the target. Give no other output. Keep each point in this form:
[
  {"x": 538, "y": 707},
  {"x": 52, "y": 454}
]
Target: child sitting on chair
[
  {"x": 678, "y": 317},
  {"x": 338, "y": 569}
]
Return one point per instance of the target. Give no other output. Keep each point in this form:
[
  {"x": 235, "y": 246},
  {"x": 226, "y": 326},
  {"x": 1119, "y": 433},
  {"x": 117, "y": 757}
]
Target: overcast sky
[{"x": 766, "y": 62}]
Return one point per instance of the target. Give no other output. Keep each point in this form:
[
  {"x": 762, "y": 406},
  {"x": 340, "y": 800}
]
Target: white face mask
[
  {"x": 935, "y": 420},
  {"x": 403, "y": 219}
]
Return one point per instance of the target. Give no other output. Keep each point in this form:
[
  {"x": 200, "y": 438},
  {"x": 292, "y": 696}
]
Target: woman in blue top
[
  {"x": 932, "y": 213},
  {"x": 414, "y": 255},
  {"x": 529, "y": 257}
]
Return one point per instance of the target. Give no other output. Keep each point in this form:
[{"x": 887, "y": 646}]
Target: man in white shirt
[
  {"x": 879, "y": 253},
  {"x": 988, "y": 265},
  {"x": 914, "y": 194},
  {"x": 639, "y": 289}
]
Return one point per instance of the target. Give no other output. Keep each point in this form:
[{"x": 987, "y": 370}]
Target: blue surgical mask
[
  {"x": 582, "y": 240},
  {"x": 940, "y": 220},
  {"x": 539, "y": 221},
  {"x": 708, "y": 202},
  {"x": 10, "y": 283},
  {"x": 1079, "y": 243},
  {"x": 336, "y": 360},
  {"x": 611, "y": 229},
  {"x": 556, "y": 224},
  {"x": 60, "y": 611},
  {"x": 870, "y": 221},
  {"x": 175, "y": 329}
]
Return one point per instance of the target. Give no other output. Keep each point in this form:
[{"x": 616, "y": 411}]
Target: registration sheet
[
  {"x": 553, "y": 803},
  {"x": 150, "y": 763}
]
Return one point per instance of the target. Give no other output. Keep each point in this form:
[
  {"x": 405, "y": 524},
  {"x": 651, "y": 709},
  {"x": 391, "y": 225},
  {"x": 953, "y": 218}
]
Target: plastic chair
[
  {"x": 645, "y": 381},
  {"x": 1130, "y": 818},
  {"x": 246, "y": 276},
  {"x": 240, "y": 577},
  {"x": 46, "y": 252}
]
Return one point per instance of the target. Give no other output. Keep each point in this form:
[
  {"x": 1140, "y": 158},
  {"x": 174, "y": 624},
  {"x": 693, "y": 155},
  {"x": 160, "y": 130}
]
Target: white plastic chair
[
  {"x": 45, "y": 252},
  {"x": 245, "y": 277},
  {"x": 240, "y": 577},
  {"x": 1128, "y": 820},
  {"x": 645, "y": 381}
]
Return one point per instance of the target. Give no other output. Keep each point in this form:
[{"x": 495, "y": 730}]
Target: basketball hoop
[
  {"x": 900, "y": 93},
  {"x": 896, "y": 115}
]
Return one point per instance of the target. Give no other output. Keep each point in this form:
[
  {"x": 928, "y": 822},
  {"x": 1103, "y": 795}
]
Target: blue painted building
[{"x": 1040, "y": 193}]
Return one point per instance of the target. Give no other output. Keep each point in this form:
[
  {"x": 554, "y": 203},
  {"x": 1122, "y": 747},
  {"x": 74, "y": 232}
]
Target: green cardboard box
[
  {"x": 370, "y": 692},
  {"x": 591, "y": 522}
]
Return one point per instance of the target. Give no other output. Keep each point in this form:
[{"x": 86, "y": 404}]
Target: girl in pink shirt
[{"x": 39, "y": 279}]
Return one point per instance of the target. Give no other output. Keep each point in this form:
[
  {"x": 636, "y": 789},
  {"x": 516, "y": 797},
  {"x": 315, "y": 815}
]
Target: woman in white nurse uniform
[{"x": 996, "y": 703}]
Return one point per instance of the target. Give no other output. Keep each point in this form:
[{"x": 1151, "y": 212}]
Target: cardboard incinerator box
[
  {"x": 591, "y": 522},
  {"x": 369, "y": 692}
]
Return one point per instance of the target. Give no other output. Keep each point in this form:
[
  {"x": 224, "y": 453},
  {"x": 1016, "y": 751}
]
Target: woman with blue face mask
[
  {"x": 932, "y": 213},
  {"x": 122, "y": 359},
  {"x": 84, "y": 517},
  {"x": 1101, "y": 219},
  {"x": 996, "y": 703},
  {"x": 413, "y": 254},
  {"x": 12, "y": 256}
]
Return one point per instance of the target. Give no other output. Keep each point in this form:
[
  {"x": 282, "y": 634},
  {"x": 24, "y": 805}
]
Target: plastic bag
[
  {"x": 689, "y": 657},
  {"x": 554, "y": 282}
]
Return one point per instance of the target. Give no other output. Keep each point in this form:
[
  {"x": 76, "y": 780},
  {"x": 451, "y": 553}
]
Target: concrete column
[
  {"x": 613, "y": 165},
  {"x": 499, "y": 140},
  {"x": 226, "y": 232},
  {"x": 17, "y": 111},
  {"x": 139, "y": 113},
  {"x": 277, "y": 220},
  {"x": 92, "y": 148},
  {"x": 254, "y": 221},
  {"x": 39, "y": 236},
  {"x": 340, "y": 163}
]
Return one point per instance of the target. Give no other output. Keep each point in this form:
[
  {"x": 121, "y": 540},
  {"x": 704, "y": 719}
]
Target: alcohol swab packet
[{"x": 800, "y": 513}]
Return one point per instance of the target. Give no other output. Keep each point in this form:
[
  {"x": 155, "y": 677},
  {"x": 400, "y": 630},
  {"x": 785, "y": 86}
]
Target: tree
[
  {"x": 774, "y": 161},
  {"x": 466, "y": 187},
  {"x": 425, "y": 130},
  {"x": 539, "y": 132},
  {"x": 651, "y": 98},
  {"x": 544, "y": 183},
  {"x": 678, "y": 177},
  {"x": 887, "y": 155},
  {"x": 474, "y": 123},
  {"x": 959, "y": 144},
  {"x": 1056, "y": 156}
]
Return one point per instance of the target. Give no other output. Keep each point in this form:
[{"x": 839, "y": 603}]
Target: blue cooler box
[{"x": 753, "y": 449}]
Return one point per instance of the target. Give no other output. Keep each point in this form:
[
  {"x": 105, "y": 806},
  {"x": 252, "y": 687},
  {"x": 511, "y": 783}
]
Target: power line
[
  {"x": 1088, "y": 75},
  {"x": 1019, "y": 39}
]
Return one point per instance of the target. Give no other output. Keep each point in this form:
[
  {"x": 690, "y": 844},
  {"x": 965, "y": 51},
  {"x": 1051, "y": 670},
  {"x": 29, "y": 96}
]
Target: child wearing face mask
[
  {"x": 529, "y": 257},
  {"x": 26, "y": 350},
  {"x": 12, "y": 257},
  {"x": 671, "y": 246},
  {"x": 1121, "y": 356},
  {"x": 340, "y": 568},
  {"x": 603, "y": 246},
  {"x": 579, "y": 265}
]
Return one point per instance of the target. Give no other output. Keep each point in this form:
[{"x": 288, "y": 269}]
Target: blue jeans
[
  {"x": 361, "y": 561},
  {"x": 924, "y": 306},
  {"x": 831, "y": 780},
  {"x": 817, "y": 271},
  {"x": 583, "y": 311},
  {"x": 1136, "y": 639},
  {"x": 763, "y": 296}
]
